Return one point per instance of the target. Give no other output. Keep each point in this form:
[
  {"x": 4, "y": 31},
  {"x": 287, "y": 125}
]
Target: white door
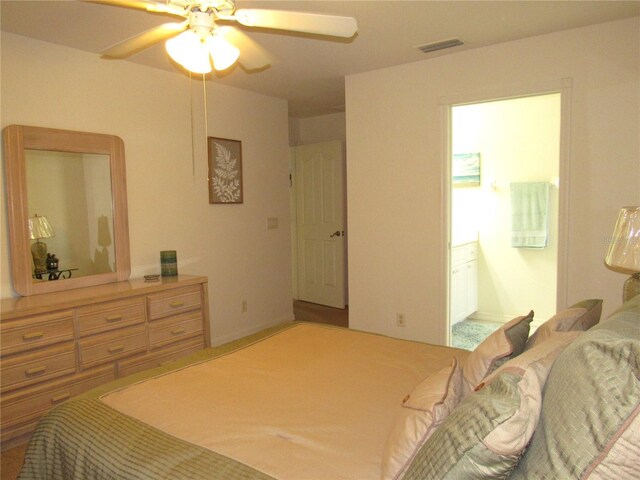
[{"x": 319, "y": 170}]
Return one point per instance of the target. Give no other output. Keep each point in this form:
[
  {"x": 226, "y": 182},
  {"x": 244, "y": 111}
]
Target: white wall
[
  {"x": 323, "y": 128},
  {"x": 53, "y": 86},
  {"x": 397, "y": 159},
  {"x": 518, "y": 141}
]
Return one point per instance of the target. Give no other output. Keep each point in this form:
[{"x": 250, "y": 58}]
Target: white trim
[
  {"x": 445, "y": 217},
  {"x": 294, "y": 222},
  {"x": 564, "y": 167}
]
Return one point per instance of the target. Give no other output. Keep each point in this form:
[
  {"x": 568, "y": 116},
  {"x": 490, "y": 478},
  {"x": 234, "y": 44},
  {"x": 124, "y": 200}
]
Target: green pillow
[
  {"x": 591, "y": 401},
  {"x": 484, "y": 436},
  {"x": 591, "y": 316}
]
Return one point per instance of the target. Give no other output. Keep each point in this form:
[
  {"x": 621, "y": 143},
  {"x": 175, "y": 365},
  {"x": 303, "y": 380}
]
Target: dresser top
[{"x": 20, "y": 306}]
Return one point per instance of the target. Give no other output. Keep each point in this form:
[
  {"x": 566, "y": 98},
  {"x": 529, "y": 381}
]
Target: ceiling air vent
[{"x": 432, "y": 47}]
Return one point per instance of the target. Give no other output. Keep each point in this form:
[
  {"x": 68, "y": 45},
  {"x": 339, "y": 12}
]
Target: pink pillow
[
  {"x": 423, "y": 411},
  {"x": 505, "y": 343},
  {"x": 560, "y": 322}
]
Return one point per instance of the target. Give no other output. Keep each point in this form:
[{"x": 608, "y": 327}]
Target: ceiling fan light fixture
[
  {"x": 223, "y": 53},
  {"x": 189, "y": 51}
]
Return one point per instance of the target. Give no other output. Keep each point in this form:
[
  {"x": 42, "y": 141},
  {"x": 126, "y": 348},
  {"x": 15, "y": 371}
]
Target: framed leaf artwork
[{"x": 225, "y": 170}]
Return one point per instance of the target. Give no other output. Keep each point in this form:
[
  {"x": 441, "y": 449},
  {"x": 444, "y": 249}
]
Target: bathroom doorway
[{"x": 496, "y": 147}]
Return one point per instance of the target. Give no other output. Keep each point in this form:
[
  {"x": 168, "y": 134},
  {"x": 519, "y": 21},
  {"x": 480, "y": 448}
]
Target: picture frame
[
  {"x": 465, "y": 170},
  {"x": 225, "y": 170}
]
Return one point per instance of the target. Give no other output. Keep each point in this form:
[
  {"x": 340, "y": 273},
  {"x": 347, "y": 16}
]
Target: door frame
[{"x": 564, "y": 87}]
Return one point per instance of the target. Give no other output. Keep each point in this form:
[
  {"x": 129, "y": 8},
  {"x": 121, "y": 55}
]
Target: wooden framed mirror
[{"x": 67, "y": 209}]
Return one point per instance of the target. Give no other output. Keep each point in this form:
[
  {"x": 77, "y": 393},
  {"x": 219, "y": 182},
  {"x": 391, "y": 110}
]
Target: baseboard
[
  {"x": 503, "y": 318},
  {"x": 250, "y": 331},
  {"x": 490, "y": 317}
]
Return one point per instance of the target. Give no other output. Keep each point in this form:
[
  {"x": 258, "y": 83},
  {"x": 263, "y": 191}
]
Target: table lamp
[
  {"x": 624, "y": 251},
  {"x": 39, "y": 227}
]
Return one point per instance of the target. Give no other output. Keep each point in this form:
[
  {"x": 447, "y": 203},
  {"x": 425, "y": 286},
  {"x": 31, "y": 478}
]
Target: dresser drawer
[
  {"x": 37, "y": 331},
  {"x": 175, "y": 301},
  {"x": 172, "y": 329},
  {"x": 111, "y": 346},
  {"x": 103, "y": 317},
  {"x": 160, "y": 357},
  {"x": 29, "y": 404},
  {"x": 45, "y": 364}
]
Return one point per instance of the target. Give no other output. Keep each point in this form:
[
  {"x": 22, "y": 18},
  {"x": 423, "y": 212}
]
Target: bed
[{"x": 303, "y": 401}]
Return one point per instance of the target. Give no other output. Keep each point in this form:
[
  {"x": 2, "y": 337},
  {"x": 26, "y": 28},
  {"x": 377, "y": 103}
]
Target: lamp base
[
  {"x": 39, "y": 254},
  {"x": 631, "y": 287}
]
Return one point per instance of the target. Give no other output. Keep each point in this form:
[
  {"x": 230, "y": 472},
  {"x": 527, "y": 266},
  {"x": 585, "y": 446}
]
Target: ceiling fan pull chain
[
  {"x": 206, "y": 120},
  {"x": 193, "y": 155}
]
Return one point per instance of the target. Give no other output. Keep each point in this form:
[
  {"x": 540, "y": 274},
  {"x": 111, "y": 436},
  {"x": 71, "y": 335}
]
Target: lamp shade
[
  {"x": 223, "y": 53},
  {"x": 624, "y": 250},
  {"x": 189, "y": 51},
  {"x": 39, "y": 227},
  {"x": 192, "y": 49}
]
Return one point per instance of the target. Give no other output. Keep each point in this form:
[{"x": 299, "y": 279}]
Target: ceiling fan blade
[
  {"x": 252, "y": 56},
  {"x": 143, "y": 5},
  {"x": 145, "y": 39},
  {"x": 298, "y": 21}
]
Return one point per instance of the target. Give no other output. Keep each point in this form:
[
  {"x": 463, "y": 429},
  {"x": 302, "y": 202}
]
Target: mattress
[{"x": 305, "y": 401}]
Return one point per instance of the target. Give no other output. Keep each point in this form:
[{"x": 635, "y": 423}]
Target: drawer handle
[
  {"x": 60, "y": 398},
  {"x": 114, "y": 318},
  {"x": 176, "y": 304},
  {"x": 35, "y": 371},
  {"x": 32, "y": 335},
  {"x": 178, "y": 331},
  {"x": 116, "y": 349}
]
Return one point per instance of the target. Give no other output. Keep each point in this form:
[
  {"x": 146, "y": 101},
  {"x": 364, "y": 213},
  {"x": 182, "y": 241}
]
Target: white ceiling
[{"x": 309, "y": 71}]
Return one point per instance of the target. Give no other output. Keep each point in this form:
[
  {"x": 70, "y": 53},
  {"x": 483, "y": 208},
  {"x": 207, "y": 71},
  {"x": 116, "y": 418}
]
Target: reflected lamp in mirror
[
  {"x": 39, "y": 228},
  {"x": 624, "y": 251}
]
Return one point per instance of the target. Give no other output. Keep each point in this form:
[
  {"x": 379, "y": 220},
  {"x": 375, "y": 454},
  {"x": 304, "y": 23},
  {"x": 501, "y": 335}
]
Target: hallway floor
[{"x": 312, "y": 312}]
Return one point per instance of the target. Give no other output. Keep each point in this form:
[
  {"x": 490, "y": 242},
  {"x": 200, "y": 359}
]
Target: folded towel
[{"x": 529, "y": 215}]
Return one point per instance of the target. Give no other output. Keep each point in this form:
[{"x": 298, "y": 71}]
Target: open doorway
[{"x": 500, "y": 149}]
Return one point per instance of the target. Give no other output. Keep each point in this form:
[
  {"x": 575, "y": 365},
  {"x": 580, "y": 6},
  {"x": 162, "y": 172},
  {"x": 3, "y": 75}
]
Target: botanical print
[{"x": 225, "y": 171}]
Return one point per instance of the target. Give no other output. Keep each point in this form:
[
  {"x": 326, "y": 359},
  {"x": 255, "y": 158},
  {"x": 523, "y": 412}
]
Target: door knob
[{"x": 335, "y": 234}]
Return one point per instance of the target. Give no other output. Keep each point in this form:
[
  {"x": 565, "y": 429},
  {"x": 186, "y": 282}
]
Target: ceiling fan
[{"x": 205, "y": 32}]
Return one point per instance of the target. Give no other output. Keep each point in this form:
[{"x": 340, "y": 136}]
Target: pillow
[
  {"x": 505, "y": 343},
  {"x": 423, "y": 410},
  {"x": 581, "y": 316},
  {"x": 555, "y": 343},
  {"x": 488, "y": 431},
  {"x": 591, "y": 406},
  {"x": 560, "y": 322},
  {"x": 592, "y": 315}
]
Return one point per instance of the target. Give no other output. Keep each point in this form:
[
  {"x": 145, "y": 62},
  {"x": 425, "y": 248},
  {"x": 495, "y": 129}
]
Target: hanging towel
[{"x": 529, "y": 215}]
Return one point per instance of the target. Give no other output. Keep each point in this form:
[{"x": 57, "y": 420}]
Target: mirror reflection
[{"x": 70, "y": 214}]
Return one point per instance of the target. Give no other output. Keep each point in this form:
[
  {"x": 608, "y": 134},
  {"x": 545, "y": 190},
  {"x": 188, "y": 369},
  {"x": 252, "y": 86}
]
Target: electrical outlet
[
  {"x": 400, "y": 320},
  {"x": 244, "y": 306}
]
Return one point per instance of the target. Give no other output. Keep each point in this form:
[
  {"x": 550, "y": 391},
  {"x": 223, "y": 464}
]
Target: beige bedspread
[{"x": 308, "y": 402}]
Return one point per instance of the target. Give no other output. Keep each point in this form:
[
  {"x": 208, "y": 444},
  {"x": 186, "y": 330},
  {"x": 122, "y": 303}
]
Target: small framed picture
[
  {"x": 465, "y": 170},
  {"x": 225, "y": 170}
]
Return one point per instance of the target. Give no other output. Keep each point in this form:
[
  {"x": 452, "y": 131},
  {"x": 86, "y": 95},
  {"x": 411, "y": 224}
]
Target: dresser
[{"x": 57, "y": 345}]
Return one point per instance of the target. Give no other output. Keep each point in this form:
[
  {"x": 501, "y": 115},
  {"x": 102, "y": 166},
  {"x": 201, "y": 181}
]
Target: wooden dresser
[{"x": 57, "y": 345}]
